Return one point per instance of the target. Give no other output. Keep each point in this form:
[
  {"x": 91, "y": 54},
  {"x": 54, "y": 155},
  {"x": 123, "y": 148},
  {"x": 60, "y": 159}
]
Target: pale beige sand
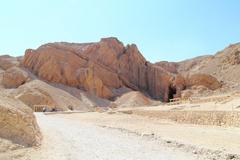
[
  {"x": 67, "y": 139},
  {"x": 118, "y": 136},
  {"x": 209, "y": 137}
]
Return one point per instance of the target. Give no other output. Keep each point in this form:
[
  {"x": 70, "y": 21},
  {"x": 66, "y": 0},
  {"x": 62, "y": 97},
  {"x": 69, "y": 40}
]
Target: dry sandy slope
[
  {"x": 133, "y": 99},
  {"x": 66, "y": 139}
]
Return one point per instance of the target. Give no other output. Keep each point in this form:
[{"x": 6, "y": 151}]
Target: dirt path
[
  {"x": 66, "y": 139},
  {"x": 208, "y": 142}
]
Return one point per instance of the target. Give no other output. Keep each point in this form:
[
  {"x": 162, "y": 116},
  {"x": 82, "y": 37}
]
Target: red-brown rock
[
  {"x": 102, "y": 67},
  {"x": 203, "y": 80},
  {"x": 98, "y": 67},
  {"x": 169, "y": 66}
]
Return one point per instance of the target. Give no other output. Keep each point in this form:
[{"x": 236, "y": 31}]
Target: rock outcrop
[
  {"x": 205, "y": 80},
  {"x": 14, "y": 77},
  {"x": 18, "y": 123},
  {"x": 7, "y": 62},
  {"x": 102, "y": 67},
  {"x": 224, "y": 65},
  {"x": 98, "y": 67},
  {"x": 38, "y": 92},
  {"x": 168, "y": 66}
]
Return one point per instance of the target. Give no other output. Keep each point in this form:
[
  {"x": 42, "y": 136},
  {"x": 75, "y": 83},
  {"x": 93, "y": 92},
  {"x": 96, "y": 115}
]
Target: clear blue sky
[{"x": 163, "y": 30}]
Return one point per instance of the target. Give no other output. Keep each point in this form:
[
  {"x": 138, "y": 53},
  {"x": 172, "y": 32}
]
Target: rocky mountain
[
  {"x": 97, "y": 67},
  {"x": 101, "y": 68},
  {"x": 224, "y": 66},
  {"x": 86, "y": 76}
]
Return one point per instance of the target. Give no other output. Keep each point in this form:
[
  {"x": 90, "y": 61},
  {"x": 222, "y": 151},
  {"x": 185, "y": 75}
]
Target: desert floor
[{"x": 117, "y": 136}]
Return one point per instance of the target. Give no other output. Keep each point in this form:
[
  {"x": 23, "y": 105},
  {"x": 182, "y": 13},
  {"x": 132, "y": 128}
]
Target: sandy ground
[
  {"x": 103, "y": 136},
  {"x": 208, "y": 142},
  {"x": 67, "y": 139}
]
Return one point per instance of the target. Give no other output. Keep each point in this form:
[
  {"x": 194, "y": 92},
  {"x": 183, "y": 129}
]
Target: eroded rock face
[
  {"x": 234, "y": 57},
  {"x": 38, "y": 92},
  {"x": 224, "y": 65},
  {"x": 14, "y": 77},
  {"x": 169, "y": 66},
  {"x": 35, "y": 97},
  {"x": 183, "y": 86},
  {"x": 98, "y": 67},
  {"x": 205, "y": 80},
  {"x": 18, "y": 123},
  {"x": 179, "y": 83},
  {"x": 102, "y": 67}
]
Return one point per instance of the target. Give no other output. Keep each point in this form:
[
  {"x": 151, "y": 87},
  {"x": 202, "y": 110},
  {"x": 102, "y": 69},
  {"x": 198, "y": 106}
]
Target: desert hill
[
  {"x": 224, "y": 65},
  {"x": 75, "y": 76},
  {"x": 102, "y": 67}
]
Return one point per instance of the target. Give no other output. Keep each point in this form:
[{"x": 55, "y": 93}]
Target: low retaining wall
[
  {"x": 218, "y": 118},
  {"x": 64, "y": 112}
]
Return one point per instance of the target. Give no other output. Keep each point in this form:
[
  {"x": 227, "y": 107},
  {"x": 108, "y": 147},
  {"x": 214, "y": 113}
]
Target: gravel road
[{"x": 66, "y": 139}]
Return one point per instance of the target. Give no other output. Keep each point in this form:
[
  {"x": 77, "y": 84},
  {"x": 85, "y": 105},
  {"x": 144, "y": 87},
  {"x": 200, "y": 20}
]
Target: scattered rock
[
  {"x": 194, "y": 152},
  {"x": 168, "y": 141},
  {"x": 234, "y": 57},
  {"x": 231, "y": 156}
]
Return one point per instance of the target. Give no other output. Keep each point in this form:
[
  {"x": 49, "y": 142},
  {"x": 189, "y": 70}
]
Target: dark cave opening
[{"x": 171, "y": 92}]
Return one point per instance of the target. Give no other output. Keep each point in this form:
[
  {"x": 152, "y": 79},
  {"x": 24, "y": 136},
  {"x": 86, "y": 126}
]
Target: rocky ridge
[
  {"x": 100, "y": 74},
  {"x": 101, "y": 67},
  {"x": 224, "y": 65}
]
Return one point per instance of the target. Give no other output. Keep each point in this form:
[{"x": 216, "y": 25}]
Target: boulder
[
  {"x": 205, "y": 80},
  {"x": 14, "y": 77},
  {"x": 18, "y": 123}
]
